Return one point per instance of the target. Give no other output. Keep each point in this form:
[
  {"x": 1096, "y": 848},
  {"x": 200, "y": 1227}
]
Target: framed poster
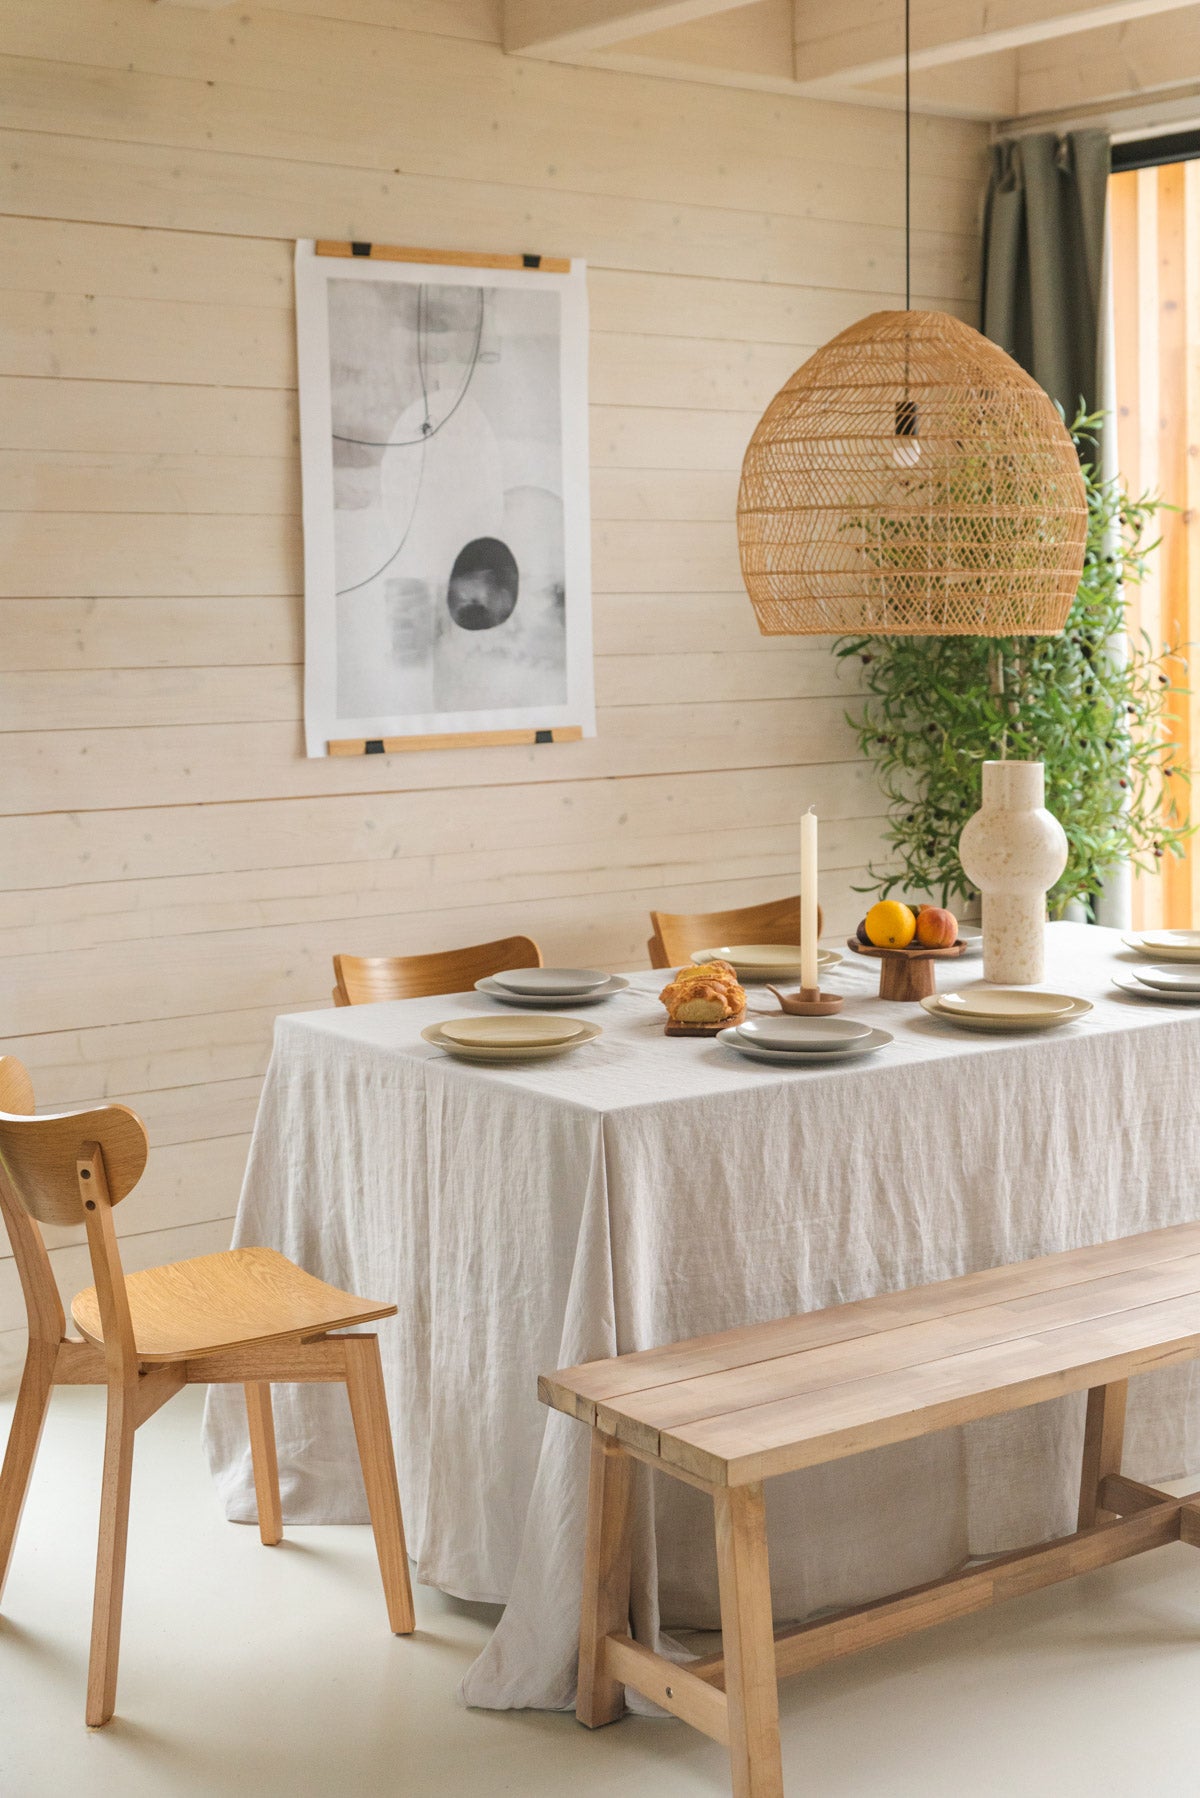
[{"x": 443, "y": 439}]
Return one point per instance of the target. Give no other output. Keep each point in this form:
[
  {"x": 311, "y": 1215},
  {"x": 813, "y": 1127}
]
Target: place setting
[
  {"x": 1178, "y": 985},
  {"x": 493, "y": 1040},
  {"x": 803, "y": 1042},
  {"x": 1005, "y": 1011},
  {"x": 1165, "y": 945},
  {"x": 542, "y": 987}
]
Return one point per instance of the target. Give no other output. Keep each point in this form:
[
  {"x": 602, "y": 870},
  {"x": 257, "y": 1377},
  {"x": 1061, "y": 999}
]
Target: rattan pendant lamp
[{"x": 911, "y": 479}]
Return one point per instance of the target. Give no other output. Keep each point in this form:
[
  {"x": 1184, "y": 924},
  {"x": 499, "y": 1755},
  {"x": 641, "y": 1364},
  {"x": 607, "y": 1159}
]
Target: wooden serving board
[{"x": 672, "y": 1029}]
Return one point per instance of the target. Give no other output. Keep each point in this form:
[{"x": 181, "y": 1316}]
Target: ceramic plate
[
  {"x": 971, "y": 937},
  {"x": 1007, "y": 1002},
  {"x": 1184, "y": 995},
  {"x": 560, "y": 981},
  {"x": 764, "y": 961},
  {"x": 1171, "y": 980},
  {"x": 963, "y": 1020},
  {"x": 1166, "y": 945},
  {"x": 615, "y": 983},
  {"x": 795, "y": 1058},
  {"x": 802, "y": 1033},
  {"x": 510, "y": 1033},
  {"x": 497, "y": 1056}
]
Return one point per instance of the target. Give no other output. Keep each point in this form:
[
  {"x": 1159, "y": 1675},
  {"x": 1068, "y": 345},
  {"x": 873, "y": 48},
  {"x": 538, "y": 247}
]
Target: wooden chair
[
  {"x": 724, "y": 1413},
  {"x": 366, "y": 979},
  {"x": 248, "y": 1316},
  {"x": 677, "y": 935}
]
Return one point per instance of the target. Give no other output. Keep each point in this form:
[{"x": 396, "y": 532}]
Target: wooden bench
[{"x": 726, "y": 1412}]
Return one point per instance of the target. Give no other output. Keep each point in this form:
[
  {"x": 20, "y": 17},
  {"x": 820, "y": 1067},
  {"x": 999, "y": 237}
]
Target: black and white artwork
[{"x": 443, "y": 416}]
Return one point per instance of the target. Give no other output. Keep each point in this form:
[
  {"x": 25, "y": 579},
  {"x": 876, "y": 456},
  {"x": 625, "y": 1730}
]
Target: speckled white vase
[{"x": 1013, "y": 850}]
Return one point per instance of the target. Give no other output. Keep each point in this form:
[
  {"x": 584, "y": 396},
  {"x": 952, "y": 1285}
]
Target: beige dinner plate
[
  {"x": 496, "y": 1054},
  {"x": 1006, "y": 1002},
  {"x": 764, "y": 961},
  {"x": 509, "y": 1032},
  {"x": 1166, "y": 945},
  {"x": 965, "y": 1020}
]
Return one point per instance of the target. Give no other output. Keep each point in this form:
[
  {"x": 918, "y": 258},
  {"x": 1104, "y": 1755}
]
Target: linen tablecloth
[{"x": 649, "y": 1188}]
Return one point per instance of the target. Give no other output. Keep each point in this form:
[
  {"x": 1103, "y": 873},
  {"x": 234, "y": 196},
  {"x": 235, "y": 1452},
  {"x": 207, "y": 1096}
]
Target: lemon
[{"x": 890, "y": 925}]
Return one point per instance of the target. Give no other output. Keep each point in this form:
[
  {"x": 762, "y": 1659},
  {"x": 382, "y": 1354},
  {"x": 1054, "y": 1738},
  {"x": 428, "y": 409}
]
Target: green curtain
[{"x": 1043, "y": 261}]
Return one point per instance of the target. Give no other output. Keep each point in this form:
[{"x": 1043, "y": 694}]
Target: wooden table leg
[
  {"x": 372, "y": 1430},
  {"x": 1103, "y": 1439},
  {"x": 748, "y": 1639},
  {"x": 606, "y": 1575}
]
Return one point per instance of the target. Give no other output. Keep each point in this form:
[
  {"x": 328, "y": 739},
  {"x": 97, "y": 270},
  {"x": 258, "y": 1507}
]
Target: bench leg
[
  {"x": 748, "y": 1642},
  {"x": 1103, "y": 1438},
  {"x": 606, "y": 1575}
]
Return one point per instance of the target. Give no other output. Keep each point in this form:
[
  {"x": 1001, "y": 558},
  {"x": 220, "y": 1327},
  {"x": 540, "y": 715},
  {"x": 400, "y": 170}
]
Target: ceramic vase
[{"x": 1013, "y": 850}]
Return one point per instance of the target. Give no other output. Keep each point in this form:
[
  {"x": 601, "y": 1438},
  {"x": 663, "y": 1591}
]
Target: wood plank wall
[
  {"x": 1155, "y": 217},
  {"x": 174, "y": 873}
]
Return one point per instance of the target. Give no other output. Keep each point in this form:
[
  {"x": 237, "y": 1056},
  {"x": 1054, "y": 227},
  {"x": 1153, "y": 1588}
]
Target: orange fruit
[{"x": 890, "y": 925}]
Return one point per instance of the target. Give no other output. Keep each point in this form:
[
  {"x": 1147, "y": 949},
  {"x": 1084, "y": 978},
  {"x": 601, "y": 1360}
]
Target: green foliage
[{"x": 1087, "y": 704}]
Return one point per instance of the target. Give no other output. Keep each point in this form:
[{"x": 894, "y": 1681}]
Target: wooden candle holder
[
  {"x": 809, "y": 1002},
  {"x": 907, "y": 974}
]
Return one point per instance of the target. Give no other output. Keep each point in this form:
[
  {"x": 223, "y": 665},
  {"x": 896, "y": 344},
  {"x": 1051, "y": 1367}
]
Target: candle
[{"x": 809, "y": 978}]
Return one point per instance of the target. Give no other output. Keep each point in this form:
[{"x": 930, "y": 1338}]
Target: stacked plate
[
  {"x": 1005, "y": 1009},
  {"x": 494, "y": 1039},
  {"x": 800, "y": 1041},
  {"x": 1169, "y": 986},
  {"x": 551, "y": 986},
  {"x": 1166, "y": 945},
  {"x": 753, "y": 962}
]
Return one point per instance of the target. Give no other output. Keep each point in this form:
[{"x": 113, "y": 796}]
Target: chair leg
[
  {"x": 368, "y": 1407},
  {"x": 110, "y": 1556},
  {"x": 1103, "y": 1441},
  {"x": 33, "y": 1402},
  {"x": 606, "y": 1573},
  {"x": 751, "y": 1682},
  {"x": 265, "y": 1461}
]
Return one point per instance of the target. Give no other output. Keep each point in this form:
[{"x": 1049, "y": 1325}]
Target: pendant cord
[{"x": 907, "y": 162}]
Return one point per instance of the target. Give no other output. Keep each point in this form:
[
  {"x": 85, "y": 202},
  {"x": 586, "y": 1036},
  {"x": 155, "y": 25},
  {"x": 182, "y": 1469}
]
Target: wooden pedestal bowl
[{"x": 907, "y": 974}]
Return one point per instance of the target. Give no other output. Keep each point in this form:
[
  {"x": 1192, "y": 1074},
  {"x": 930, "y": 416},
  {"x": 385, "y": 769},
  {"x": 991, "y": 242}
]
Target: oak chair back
[
  {"x": 70, "y": 1168},
  {"x": 43, "y": 1306},
  {"x": 677, "y": 935},
  {"x": 367, "y": 979}
]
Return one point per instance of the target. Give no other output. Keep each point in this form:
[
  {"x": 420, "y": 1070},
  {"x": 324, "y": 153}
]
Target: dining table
[{"x": 646, "y": 1188}]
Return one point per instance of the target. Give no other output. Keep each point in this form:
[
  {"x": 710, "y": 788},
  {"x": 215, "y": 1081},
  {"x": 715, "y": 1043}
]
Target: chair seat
[{"x": 225, "y": 1301}]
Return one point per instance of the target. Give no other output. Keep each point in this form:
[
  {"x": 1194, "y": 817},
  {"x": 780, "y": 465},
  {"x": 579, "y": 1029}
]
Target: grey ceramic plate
[
  {"x": 798, "y": 1058},
  {"x": 561, "y": 982},
  {"x": 807, "y": 1034},
  {"x": 616, "y": 983},
  {"x": 1156, "y": 995}
]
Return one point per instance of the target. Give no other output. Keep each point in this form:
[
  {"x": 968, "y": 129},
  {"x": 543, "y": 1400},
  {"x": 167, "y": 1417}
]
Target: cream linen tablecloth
[{"x": 646, "y": 1189}]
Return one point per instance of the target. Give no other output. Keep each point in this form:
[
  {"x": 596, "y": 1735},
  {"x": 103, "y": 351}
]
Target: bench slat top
[{"x": 770, "y": 1398}]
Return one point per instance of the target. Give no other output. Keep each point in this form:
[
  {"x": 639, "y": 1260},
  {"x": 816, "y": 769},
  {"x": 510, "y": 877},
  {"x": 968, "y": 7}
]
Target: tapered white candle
[{"x": 808, "y": 900}]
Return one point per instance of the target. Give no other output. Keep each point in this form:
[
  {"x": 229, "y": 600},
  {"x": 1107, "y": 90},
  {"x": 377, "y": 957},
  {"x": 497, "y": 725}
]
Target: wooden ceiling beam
[
  {"x": 562, "y": 28},
  {"x": 866, "y": 41}
]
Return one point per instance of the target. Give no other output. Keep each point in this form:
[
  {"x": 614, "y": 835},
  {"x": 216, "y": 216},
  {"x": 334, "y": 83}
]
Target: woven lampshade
[{"x": 911, "y": 479}]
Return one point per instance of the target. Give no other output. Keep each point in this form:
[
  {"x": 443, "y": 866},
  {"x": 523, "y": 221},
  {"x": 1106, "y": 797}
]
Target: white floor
[{"x": 270, "y": 1671}]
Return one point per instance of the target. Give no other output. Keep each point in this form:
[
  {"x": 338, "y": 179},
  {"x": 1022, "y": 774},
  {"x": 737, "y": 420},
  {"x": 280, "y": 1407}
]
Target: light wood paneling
[
  {"x": 173, "y": 874},
  {"x": 1156, "y": 294}
]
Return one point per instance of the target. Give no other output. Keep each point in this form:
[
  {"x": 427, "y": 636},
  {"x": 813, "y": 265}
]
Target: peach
[{"x": 937, "y": 928}]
